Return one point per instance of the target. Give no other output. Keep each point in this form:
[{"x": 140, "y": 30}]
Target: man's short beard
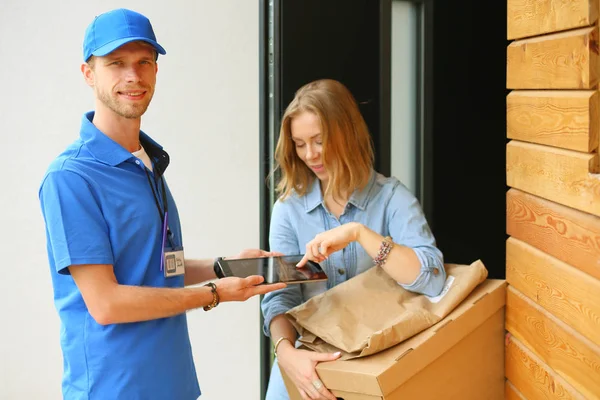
[{"x": 124, "y": 111}]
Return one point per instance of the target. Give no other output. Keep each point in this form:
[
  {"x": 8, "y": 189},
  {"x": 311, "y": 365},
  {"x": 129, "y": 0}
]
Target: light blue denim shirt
[{"x": 385, "y": 206}]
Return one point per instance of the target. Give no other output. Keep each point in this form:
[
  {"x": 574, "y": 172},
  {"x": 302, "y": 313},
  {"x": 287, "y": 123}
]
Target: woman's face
[{"x": 306, "y": 134}]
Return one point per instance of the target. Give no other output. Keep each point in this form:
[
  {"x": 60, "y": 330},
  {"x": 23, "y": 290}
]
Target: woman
[{"x": 338, "y": 211}]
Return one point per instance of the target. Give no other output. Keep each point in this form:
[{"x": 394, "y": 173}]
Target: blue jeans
[{"x": 276, "y": 389}]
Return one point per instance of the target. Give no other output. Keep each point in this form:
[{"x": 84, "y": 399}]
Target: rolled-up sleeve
[
  {"x": 408, "y": 227},
  {"x": 283, "y": 239}
]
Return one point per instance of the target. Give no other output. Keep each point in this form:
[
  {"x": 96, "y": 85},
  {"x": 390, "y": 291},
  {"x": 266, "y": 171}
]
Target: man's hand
[
  {"x": 255, "y": 253},
  {"x": 241, "y": 289}
]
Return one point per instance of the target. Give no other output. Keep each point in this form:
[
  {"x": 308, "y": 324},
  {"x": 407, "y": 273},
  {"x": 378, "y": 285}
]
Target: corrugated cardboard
[
  {"x": 461, "y": 357},
  {"x": 371, "y": 312}
]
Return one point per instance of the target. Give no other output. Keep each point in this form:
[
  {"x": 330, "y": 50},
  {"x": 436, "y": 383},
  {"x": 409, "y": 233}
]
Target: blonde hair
[{"x": 347, "y": 152}]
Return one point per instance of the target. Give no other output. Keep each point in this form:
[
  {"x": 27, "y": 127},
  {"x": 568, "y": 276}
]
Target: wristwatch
[{"x": 217, "y": 268}]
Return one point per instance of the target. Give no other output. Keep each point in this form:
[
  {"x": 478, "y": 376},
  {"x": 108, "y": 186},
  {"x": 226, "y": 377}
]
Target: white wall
[{"x": 205, "y": 113}]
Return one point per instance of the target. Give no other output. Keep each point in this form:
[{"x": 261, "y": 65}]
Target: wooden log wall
[{"x": 553, "y": 201}]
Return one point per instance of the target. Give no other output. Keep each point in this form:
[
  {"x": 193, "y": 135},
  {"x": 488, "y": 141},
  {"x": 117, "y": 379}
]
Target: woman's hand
[
  {"x": 300, "y": 365},
  {"x": 331, "y": 241}
]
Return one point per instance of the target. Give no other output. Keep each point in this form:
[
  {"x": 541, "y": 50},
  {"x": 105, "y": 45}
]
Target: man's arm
[
  {"x": 112, "y": 303},
  {"x": 198, "y": 271}
]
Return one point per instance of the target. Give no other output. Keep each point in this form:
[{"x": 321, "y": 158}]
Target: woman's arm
[
  {"x": 402, "y": 263},
  {"x": 414, "y": 261}
]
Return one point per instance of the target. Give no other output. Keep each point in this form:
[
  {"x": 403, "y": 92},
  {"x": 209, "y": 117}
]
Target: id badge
[{"x": 174, "y": 263}]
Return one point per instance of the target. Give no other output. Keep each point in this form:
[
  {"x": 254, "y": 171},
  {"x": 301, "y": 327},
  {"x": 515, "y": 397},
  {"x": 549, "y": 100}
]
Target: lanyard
[{"x": 161, "y": 213}]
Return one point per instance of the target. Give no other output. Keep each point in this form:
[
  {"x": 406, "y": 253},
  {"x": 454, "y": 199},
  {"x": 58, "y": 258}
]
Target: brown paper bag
[{"x": 371, "y": 312}]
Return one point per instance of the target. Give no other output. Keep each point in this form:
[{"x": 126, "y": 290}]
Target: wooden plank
[
  {"x": 567, "y": 119},
  {"x": 570, "y": 235},
  {"x": 568, "y": 353},
  {"x": 564, "y": 291},
  {"x": 566, "y": 60},
  {"x": 511, "y": 392},
  {"x": 532, "y": 377},
  {"x": 563, "y": 176},
  {"x": 537, "y": 17}
]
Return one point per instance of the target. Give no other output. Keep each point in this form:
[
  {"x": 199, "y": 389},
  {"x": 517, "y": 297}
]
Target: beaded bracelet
[{"x": 384, "y": 250}]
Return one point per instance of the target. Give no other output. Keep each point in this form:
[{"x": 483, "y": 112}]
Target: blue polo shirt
[{"x": 99, "y": 208}]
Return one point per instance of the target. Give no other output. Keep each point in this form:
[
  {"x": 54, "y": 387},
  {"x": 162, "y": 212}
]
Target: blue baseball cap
[{"x": 113, "y": 29}]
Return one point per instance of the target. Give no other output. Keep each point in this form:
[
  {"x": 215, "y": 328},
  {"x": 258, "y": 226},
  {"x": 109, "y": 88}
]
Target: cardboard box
[{"x": 461, "y": 357}]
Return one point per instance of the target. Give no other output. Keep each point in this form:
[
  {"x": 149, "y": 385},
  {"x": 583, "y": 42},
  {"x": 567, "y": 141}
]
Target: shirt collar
[
  {"x": 107, "y": 151},
  {"x": 313, "y": 197},
  {"x": 359, "y": 198}
]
